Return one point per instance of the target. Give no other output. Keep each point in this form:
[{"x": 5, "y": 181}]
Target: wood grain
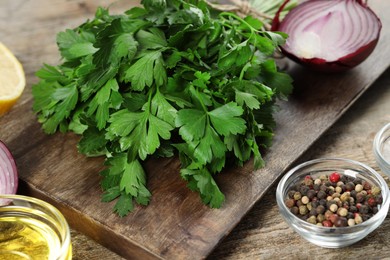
[
  {"x": 176, "y": 225},
  {"x": 263, "y": 234}
]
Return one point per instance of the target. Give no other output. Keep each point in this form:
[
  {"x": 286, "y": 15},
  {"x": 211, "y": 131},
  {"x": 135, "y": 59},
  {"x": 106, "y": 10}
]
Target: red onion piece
[
  {"x": 329, "y": 35},
  {"x": 8, "y": 172}
]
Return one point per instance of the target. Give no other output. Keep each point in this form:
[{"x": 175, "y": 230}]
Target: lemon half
[{"x": 12, "y": 79}]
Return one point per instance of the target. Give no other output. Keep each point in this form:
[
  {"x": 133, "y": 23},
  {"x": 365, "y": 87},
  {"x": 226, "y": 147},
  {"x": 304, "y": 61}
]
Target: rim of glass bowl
[
  {"x": 66, "y": 243},
  {"x": 378, "y": 141},
  {"x": 383, "y": 185}
]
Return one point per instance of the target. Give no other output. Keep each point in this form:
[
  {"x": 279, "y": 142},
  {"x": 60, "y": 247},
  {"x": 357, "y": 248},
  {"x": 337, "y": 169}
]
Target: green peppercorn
[
  {"x": 323, "y": 177},
  {"x": 375, "y": 191},
  {"x": 312, "y": 220},
  {"x": 320, "y": 218},
  {"x": 336, "y": 195},
  {"x": 297, "y": 195},
  {"x": 345, "y": 196},
  {"x": 303, "y": 210}
]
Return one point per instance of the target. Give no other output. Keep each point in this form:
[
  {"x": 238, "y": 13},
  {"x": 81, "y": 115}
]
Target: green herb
[{"x": 169, "y": 77}]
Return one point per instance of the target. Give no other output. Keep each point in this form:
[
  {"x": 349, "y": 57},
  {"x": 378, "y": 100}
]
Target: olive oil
[
  {"x": 32, "y": 229},
  {"x": 27, "y": 238}
]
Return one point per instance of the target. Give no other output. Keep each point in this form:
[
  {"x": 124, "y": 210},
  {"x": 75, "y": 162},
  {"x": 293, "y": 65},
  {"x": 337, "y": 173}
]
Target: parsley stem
[{"x": 227, "y": 14}]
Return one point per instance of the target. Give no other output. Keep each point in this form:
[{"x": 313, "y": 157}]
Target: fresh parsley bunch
[{"x": 171, "y": 77}]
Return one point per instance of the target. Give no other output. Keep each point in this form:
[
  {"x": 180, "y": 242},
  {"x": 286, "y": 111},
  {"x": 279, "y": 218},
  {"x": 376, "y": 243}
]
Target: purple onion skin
[
  {"x": 343, "y": 63},
  {"x": 13, "y": 163}
]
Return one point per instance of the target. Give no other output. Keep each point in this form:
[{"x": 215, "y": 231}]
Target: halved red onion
[
  {"x": 329, "y": 35},
  {"x": 8, "y": 171}
]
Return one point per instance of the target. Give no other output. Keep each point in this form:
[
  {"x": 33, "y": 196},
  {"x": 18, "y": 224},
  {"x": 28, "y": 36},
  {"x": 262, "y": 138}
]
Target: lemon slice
[{"x": 12, "y": 79}]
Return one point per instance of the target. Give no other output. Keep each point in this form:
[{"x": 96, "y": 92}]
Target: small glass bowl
[
  {"x": 382, "y": 149},
  {"x": 32, "y": 229},
  {"x": 332, "y": 237}
]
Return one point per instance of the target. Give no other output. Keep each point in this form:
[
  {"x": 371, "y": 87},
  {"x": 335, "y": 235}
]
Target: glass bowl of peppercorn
[
  {"x": 382, "y": 149},
  {"x": 333, "y": 202}
]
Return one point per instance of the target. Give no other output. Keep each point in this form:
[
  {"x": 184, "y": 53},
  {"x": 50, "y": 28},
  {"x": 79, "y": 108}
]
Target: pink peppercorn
[
  {"x": 327, "y": 223},
  {"x": 334, "y": 177}
]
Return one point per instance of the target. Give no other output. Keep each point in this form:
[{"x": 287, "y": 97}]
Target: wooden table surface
[{"x": 263, "y": 234}]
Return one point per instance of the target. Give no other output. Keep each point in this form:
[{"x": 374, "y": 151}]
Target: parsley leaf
[{"x": 170, "y": 78}]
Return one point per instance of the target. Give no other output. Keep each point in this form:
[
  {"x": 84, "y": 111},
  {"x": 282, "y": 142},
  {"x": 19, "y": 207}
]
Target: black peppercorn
[
  {"x": 294, "y": 210},
  {"x": 321, "y": 194},
  {"x": 315, "y": 204},
  {"x": 304, "y": 189},
  {"x": 341, "y": 222},
  {"x": 357, "y": 181},
  {"x": 322, "y": 202},
  {"x": 313, "y": 212},
  {"x": 364, "y": 209},
  {"x": 320, "y": 209},
  {"x": 350, "y": 186},
  {"x": 353, "y": 194},
  {"x": 311, "y": 194},
  {"x": 350, "y": 215},
  {"x": 352, "y": 209}
]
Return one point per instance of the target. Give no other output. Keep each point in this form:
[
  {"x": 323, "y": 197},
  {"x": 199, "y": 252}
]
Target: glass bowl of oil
[{"x": 32, "y": 229}]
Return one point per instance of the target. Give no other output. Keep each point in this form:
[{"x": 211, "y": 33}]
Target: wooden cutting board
[{"x": 176, "y": 225}]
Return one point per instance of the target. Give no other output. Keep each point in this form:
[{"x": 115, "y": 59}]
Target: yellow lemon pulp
[{"x": 12, "y": 79}]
